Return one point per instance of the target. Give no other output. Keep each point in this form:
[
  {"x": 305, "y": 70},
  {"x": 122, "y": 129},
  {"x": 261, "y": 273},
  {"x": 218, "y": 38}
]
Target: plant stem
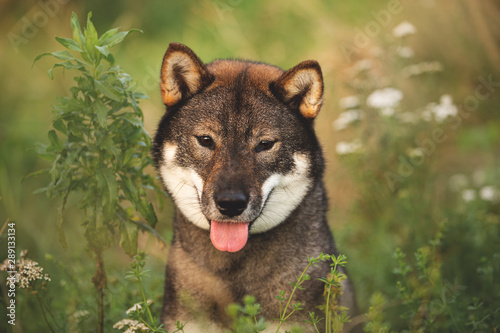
[
  {"x": 328, "y": 322},
  {"x": 43, "y": 312},
  {"x": 282, "y": 315},
  {"x": 145, "y": 301},
  {"x": 100, "y": 282}
]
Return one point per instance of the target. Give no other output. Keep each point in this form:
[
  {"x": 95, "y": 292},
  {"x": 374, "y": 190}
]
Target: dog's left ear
[
  {"x": 183, "y": 74},
  {"x": 301, "y": 87}
]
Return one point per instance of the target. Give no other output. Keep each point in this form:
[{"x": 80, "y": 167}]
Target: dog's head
[{"x": 236, "y": 148}]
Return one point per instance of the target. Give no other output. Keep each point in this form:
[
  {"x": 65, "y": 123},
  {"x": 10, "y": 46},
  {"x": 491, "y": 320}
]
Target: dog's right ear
[{"x": 183, "y": 74}]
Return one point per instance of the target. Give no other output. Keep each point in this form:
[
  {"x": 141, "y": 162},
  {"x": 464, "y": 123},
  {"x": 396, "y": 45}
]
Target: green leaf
[
  {"x": 78, "y": 36},
  {"x": 66, "y": 65},
  {"x": 69, "y": 44},
  {"x": 50, "y": 72},
  {"x": 110, "y": 146},
  {"x": 117, "y": 37},
  {"x": 147, "y": 227},
  {"x": 128, "y": 237},
  {"x": 40, "y": 56},
  {"x": 103, "y": 49},
  {"x": 132, "y": 119},
  {"x": 107, "y": 35},
  {"x": 91, "y": 40},
  {"x": 54, "y": 141},
  {"x": 147, "y": 211},
  {"x": 129, "y": 189},
  {"x": 139, "y": 95},
  {"x": 108, "y": 90},
  {"x": 61, "y": 55},
  {"x": 101, "y": 111},
  {"x": 90, "y": 31},
  {"x": 112, "y": 185},
  {"x": 40, "y": 190},
  {"x": 41, "y": 150},
  {"x": 36, "y": 173},
  {"x": 60, "y": 126}
]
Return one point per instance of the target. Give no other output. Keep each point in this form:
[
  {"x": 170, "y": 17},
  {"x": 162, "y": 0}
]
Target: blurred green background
[{"x": 368, "y": 218}]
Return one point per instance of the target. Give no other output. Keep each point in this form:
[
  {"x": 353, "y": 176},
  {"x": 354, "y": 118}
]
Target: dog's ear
[
  {"x": 183, "y": 74},
  {"x": 301, "y": 87}
]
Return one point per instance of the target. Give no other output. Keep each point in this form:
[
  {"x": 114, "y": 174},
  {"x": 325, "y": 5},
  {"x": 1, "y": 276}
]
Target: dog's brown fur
[{"x": 202, "y": 281}]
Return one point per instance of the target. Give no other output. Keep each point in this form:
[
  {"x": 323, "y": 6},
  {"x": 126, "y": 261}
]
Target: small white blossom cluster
[
  {"x": 385, "y": 100},
  {"x": 27, "y": 271},
  {"x": 472, "y": 190},
  {"x": 440, "y": 111},
  {"x": 346, "y": 118},
  {"x": 131, "y": 326},
  {"x": 421, "y": 68},
  {"x": 137, "y": 307},
  {"x": 404, "y": 29},
  {"x": 345, "y": 148}
]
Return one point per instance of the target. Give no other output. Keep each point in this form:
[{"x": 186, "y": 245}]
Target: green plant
[
  {"x": 28, "y": 275},
  {"x": 141, "y": 318},
  {"x": 245, "y": 317},
  {"x": 335, "y": 316},
  {"x": 104, "y": 149}
]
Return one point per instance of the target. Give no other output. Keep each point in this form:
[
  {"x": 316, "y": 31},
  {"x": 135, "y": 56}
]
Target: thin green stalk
[
  {"x": 145, "y": 301},
  {"x": 328, "y": 323},
  {"x": 282, "y": 315},
  {"x": 43, "y": 312}
]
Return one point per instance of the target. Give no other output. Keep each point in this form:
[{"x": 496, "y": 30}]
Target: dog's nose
[{"x": 231, "y": 203}]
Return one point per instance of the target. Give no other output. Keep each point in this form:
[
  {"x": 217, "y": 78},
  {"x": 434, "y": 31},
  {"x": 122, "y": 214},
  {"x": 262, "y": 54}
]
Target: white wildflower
[
  {"x": 386, "y": 112},
  {"x": 344, "y": 148},
  {"x": 427, "y": 112},
  {"x": 444, "y": 109},
  {"x": 361, "y": 66},
  {"x": 416, "y": 152},
  {"x": 458, "y": 182},
  {"x": 133, "y": 326},
  {"x": 349, "y": 102},
  {"x": 422, "y": 67},
  {"x": 405, "y": 52},
  {"x": 469, "y": 195},
  {"x": 137, "y": 306},
  {"x": 403, "y": 29},
  {"x": 79, "y": 314},
  {"x": 488, "y": 193},
  {"x": 27, "y": 271},
  {"x": 385, "y": 100},
  {"x": 346, "y": 118}
]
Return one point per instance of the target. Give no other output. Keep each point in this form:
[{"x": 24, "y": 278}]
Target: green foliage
[
  {"x": 140, "y": 314},
  {"x": 404, "y": 124},
  {"x": 99, "y": 147},
  {"x": 245, "y": 317}
]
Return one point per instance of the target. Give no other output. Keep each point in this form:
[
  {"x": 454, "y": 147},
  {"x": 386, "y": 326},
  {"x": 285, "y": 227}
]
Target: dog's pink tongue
[{"x": 228, "y": 236}]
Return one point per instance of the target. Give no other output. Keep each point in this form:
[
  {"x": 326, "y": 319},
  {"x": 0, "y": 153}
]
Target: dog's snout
[{"x": 231, "y": 203}]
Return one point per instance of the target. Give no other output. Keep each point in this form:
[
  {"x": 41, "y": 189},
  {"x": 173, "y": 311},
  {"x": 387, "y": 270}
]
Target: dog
[{"x": 237, "y": 152}]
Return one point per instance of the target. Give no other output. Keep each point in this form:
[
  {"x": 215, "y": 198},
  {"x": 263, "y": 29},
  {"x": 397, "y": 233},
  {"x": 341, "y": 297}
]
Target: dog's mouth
[{"x": 229, "y": 236}]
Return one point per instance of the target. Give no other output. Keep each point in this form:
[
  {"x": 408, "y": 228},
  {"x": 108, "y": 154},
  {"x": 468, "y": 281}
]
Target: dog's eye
[
  {"x": 206, "y": 141},
  {"x": 264, "y": 145}
]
